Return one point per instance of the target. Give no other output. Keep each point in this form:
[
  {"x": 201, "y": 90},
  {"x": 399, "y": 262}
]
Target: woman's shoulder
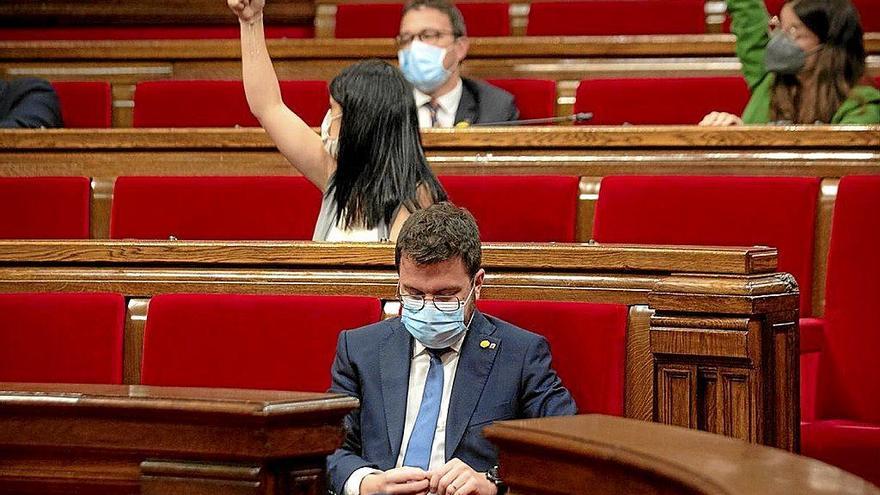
[{"x": 862, "y": 106}]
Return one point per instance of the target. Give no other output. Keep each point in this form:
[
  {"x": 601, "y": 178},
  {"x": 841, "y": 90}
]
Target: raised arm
[
  {"x": 295, "y": 139},
  {"x": 749, "y": 21}
]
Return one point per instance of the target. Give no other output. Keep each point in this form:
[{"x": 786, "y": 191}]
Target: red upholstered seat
[
  {"x": 247, "y": 341},
  {"x": 85, "y": 104},
  {"x": 587, "y": 342},
  {"x": 219, "y": 208},
  {"x": 61, "y": 338},
  {"x": 612, "y": 17},
  {"x": 869, "y": 14},
  {"x": 135, "y": 32},
  {"x": 535, "y": 98},
  {"x": 497, "y": 204},
  {"x": 846, "y": 428},
  {"x": 219, "y": 103},
  {"x": 721, "y": 211},
  {"x": 44, "y": 207},
  {"x": 661, "y": 100},
  {"x": 382, "y": 20}
]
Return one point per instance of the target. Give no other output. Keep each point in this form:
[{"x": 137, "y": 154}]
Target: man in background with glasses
[
  {"x": 431, "y": 47},
  {"x": 430, "y": 380}
]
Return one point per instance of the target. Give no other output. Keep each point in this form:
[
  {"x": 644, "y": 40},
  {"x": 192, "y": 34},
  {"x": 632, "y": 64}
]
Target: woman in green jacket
[{"x": 809, "y": 70}]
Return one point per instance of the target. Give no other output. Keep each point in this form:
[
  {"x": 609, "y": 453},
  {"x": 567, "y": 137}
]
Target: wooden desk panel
[
  {"x": 603, "y": 455},
  {"x": 138, "y": 439},
  {"x": 727, "y": 307}
]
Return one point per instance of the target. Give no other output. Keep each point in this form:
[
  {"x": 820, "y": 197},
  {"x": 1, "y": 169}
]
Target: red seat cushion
[
  {"x": 382, "y": 20},
  {"x": 849, "y": 377},
  {"x": 812, "y": 340},
  {"x": 137, "y": 32},
  {"x": 661, "y": 100},
  {"x": 85, "y": 104},
  {"x": 246, "y": 341},
  {"x": 61, "y": 338},
  {"x": 219, "y": 103},
  {"x": 535, "y": 98},
  {"x": 721, "y": 211},
  {"x": 44, "y": 207},
  {"x": 611, "y": 17},
  {"x": 588, "y": 344},
  {"x": 497, "y": 203},
  {"x": 849, "y": 445},
  {"x": 869, "y": 14},
  {"x": 268, "y": 208}
]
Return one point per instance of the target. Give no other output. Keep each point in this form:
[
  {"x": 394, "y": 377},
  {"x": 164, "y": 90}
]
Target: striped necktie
[{"x": 432, "y": 107}]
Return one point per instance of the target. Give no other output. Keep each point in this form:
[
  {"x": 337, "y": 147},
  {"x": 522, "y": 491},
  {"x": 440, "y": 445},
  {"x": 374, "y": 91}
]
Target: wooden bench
[
  {"x": 566, "y": 60},
  {"x": 120, "y": 439},
  {"x": 712, "y": 340},
  {"x": 586, "y": 152}
]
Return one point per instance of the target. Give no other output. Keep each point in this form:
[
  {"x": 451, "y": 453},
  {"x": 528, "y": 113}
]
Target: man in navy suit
[
  {"x": 28, "y": 103},
  {"x": 430, "y": 380}
]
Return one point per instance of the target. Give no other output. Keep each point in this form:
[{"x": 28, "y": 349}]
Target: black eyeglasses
[
  {"x": 446, "y": 304},
  {"x": 426, "y": 36}
]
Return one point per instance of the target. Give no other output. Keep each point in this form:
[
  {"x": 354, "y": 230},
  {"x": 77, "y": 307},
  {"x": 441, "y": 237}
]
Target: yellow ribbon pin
[{"x": 484, "y": 344}]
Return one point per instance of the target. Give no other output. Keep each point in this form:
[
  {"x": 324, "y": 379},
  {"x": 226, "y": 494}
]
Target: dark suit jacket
[
  {"x": 482, "y": 103},
  {"x": 512, "y": 379},
  {"x": 29, "y": 103}
]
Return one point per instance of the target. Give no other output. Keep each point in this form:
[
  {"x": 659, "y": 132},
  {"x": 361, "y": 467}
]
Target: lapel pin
[
  {"x": 484, "y": 344},
  {"x": 492, "y": 345}
]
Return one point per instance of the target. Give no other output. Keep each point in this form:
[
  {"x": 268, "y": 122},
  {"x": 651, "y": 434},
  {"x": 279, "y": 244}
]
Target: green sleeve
[
  {"x": 749, "y": 19},
  {"x": 862, "y": 107}
]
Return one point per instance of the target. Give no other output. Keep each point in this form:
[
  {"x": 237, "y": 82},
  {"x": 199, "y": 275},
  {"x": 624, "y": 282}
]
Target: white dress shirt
[
  {"x": 418, "y": 373},
  {"x": 447, "y": 106}
]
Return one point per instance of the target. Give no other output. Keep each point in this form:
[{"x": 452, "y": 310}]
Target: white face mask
[
  {"x": 331, "y": 145},
  {"x": 422, "y": 65}
]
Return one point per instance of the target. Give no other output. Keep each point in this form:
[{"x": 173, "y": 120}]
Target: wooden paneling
[
  {"x": 706, "y": 297},
  {"x": 602, "y": 455},
  {"x": 137, "y": 439}
]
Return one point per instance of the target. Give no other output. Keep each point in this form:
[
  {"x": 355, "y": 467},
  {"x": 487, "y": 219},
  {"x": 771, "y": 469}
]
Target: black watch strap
[{"x": 492, "y": 475}]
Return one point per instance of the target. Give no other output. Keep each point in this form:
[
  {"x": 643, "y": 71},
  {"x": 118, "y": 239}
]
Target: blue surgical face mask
[
  {"x": 422, "y": 65},
  {"x": 436, "y": 329}
]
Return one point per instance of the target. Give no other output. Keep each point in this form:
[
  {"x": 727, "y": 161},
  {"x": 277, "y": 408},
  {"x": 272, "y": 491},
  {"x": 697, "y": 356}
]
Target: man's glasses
[
  {"x": 426, "y": 36},
  {"x": 446, "y": 304}
]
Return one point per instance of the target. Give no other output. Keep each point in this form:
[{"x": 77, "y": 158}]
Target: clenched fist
[{"x": 247, "y": 10}]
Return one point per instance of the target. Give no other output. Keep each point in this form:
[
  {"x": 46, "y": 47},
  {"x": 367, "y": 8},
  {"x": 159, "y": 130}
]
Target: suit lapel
[
  {"x": 467, "y": 105},
  {"x": 474, "y": 365},
  {"x": 394, "y": 363}
]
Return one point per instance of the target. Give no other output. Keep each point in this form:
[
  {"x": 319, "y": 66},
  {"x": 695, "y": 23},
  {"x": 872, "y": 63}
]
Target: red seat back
[
  {"x": 535, "y": 98},
  {"x": 61, "y": 338},
  {"x": 849, "y": 377},
  {"x": 44, "y": 207},
  {"x": 219, "y": 103},
  {"x": 382, "y": 20},
  {"x": 518, "y": 208},
  {"x": 247, "y": 341},
  {"x": 587, "y": 342},
  {"x": 616, "y": 17},
  {"x": 152, "y": 32},
  {"x": 85, "y": 104},
  {"x": 663, "y": 100},
  {"x": 869, "y": 14},
  {"x": 720, "y": 211},
  {"x": 252, "y": 208}
]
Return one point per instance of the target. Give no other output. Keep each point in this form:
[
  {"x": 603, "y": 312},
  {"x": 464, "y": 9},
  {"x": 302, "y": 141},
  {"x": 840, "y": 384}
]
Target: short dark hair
[
  {"x": 438, "y": 233},
  {"x": 444, "y": 6}
]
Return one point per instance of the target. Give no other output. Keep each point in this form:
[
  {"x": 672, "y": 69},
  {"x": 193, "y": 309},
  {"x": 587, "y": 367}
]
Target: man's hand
[
  {"x": 247, "y": 10},
  {"x": 720, "y": 119},
  {"x": 457, "y": 478},
  {"x": 402, "y": 480}
]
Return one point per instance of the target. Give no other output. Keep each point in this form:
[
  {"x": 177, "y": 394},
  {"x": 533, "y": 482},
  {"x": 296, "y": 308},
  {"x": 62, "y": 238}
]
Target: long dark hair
[
  {"x": 381, "y": 164},
  {"x": 839, "y": 65}
]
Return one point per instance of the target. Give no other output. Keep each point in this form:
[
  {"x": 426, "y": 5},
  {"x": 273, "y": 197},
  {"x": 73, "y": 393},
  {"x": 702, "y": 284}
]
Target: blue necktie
[{"x": 418, "y": 450}]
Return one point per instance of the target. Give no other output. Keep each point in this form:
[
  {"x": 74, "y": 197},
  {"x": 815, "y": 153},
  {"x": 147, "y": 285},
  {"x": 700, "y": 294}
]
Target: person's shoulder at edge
[
  {"x": 862, "y": 106},
  {"x": 484, "y": 88}
]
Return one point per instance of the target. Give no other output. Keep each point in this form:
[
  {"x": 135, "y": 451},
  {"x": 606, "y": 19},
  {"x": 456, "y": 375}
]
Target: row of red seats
[
  {"x": 382, "y": 20},
  {"x": 176, "y": 103},
  {"x": 840, "y": 385},
  {"x": 277, "y": 342}
]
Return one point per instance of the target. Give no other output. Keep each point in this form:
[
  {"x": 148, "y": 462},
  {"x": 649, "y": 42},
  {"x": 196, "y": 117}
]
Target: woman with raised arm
[
  {"x": 368, "y": 161},
  {"x": 809, "y": 70}
]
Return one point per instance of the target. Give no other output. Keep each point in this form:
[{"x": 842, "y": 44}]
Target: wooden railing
[{"x": 586, "y": 152}]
